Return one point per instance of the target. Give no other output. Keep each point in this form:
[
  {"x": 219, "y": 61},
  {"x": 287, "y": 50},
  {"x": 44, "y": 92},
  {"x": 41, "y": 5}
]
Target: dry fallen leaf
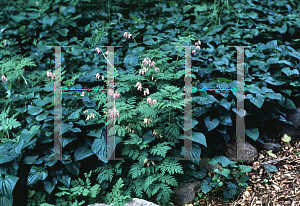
[
  {"x": 286, "y": 138},
  {"x": 271, "y": 154}
]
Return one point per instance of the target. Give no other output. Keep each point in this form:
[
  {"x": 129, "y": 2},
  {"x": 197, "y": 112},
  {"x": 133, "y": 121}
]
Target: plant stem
[{"x": 24, "y": 79}]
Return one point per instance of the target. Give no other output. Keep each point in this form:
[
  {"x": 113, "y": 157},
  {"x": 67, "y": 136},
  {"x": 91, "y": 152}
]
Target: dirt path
[{"x": 272, "y": 189}]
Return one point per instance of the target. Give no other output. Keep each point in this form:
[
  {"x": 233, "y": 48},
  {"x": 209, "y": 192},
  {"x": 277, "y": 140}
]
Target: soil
[{"x": 274, "y": 189}]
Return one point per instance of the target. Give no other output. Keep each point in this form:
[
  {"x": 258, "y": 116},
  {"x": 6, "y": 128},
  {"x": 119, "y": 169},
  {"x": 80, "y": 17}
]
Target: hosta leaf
[
  {"x": 186, "y": 8},
  {"x": 289, "y": 104},
  {"x": 49, "y": 20},
  {"x": 289, "y": 72},
  {"x": 257, "y": 101},
  {"x": 131, "y": 60},
  {"x": 211, "y": 124},
  {"x": 62, "y": 32},
  {"x": 34, "y": 110},
  {"x": 197, "y": 137},
  {"x": 83, "y": 151},
  {"x": 18, "y": 18},
  {"x": 272, "y": 61},
  {"x": 50, "y": 185},
  {"x": 36, "y": 174},
  {"x": 8, "y": 184},
  {"x": 252, "y": 133}
]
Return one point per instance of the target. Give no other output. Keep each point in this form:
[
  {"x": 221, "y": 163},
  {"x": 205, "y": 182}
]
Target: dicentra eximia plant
[
  {"x": 3, "y": 78},
  {"x": 146, "y": 65}
]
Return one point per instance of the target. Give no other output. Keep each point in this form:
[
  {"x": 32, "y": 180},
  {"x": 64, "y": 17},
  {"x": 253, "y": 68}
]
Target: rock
[
  {"x": 272, "y": 146},
  {"x": 293, "y": 130},
  {"x": 204, "y": 162},
  {"x": 135, "y": 202},
  {"x": 250, "y": 152},
  {"x": 185, "y": 194}
]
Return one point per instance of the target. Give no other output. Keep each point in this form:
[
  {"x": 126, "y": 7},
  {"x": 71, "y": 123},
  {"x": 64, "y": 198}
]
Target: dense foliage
[{"x": 149, "y": 134}]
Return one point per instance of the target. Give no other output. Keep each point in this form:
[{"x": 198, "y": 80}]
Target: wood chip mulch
[{"x": 270, "y": 189}]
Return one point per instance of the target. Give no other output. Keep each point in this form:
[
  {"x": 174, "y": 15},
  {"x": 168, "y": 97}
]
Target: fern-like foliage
[
  {"x": 13, "y": 68},
  {"x": 154, "y": 182},
  {"x": 80, "y": 188},
  {"x": 104, "y": 173},
  {"x": 37, "y": 199},
  {"x": 7, "y": 124},
  {"x": 116, "y": 197},
  {"x": 172, "y": 131},
  {"x": 41, "y": 7},
  {"x": 161, "y": 148}
]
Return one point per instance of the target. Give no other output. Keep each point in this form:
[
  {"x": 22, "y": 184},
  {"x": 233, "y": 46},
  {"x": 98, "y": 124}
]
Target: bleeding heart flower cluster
[
  {"x": 111, "y": 93},
  {"x": 49, "y": 74},
  {"x": 98, "y": 76},
  {"x": 151, "y": 102},
  {"x": 149, "y": 162},
  {"x": 3, "y": 78},
  {"x": 128, "y": 35},
  {"x": 99, "y": 51},
  {"x": 113, "y": 113},
  {"x": 147, "y": 121},
  {"x": 128, "y": 128},
  {"x": 197, "y": 44},
  {"x": 147, "y": 64},
  {"x": 146, "y": 92},
  {"x": 89, "y": 116}
]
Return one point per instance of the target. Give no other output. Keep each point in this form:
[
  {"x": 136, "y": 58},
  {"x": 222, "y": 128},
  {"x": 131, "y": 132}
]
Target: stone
[
  {"x": 275, "y": 147},
  {"x": 293, "y": 130},
  {"x": 250, "y": 152},
  {"x": 204, "y": 162},
  {"x": 135, "y": 202},
  {"x": 185, "y": 194}
]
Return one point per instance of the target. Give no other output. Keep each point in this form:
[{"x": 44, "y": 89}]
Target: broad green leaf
[
  {"x": 289, "y": 104},
  {"x": 8, "y": 184},
  {"x": 187, "y": 8},
  {"x": 197, "y": 137},
  {"x": 200, "y": 8},
  {"x": 42, "y": 116},
  {"x": 252, "y": 133},
  {"x": 258, "y": 100},
  {"x": 75, "y": 115},
  {"x": 50, "y": 185},
  {"x": 211, "y": 124},
  {"x": 48, "y": 20},
  {"x": 289, "y": 72},
  {"x": 62, "y": 32},
  {"x": 83, "y": 151},
  {"x": 272, "y": 61},
  {"x": 34, "y": 110},
  {"x": 253, "y": 15},
  {"x": 73, "y": 167},
  {"x": 36, "y": 174},
  {"x": 131, "y": 60},
  {"x": 196, "y": 152}
]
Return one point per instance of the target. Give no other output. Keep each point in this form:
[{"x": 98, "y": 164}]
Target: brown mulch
[{"x": 270, "y": 189}]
